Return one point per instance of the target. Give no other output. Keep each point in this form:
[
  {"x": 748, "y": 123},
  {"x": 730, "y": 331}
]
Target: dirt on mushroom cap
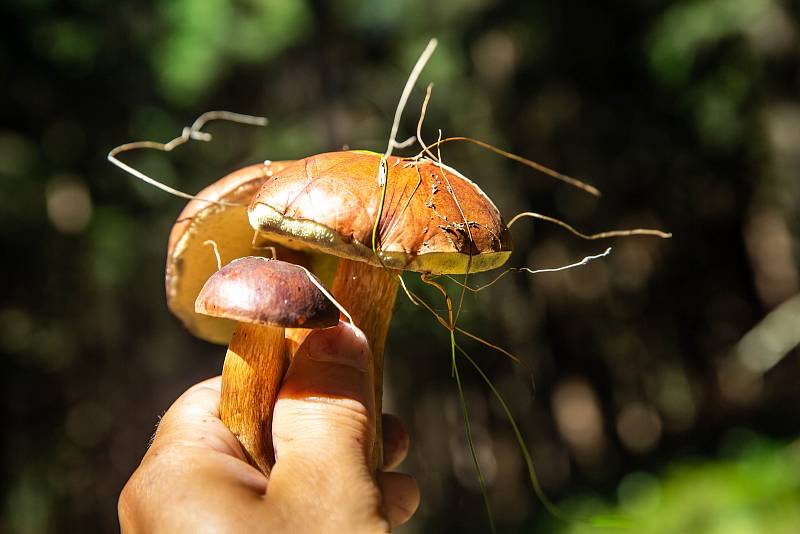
[{"x": 329, "y": 202}]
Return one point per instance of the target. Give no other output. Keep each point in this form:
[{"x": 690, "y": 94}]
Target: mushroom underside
[{"x": 311, "y": 237}]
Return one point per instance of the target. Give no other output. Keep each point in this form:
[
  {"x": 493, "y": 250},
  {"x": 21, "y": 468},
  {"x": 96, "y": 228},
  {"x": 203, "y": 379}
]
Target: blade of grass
[
  {"x": 468, "y": 431},
  {"x": 597, "y": 521},
  {"x": 537, "y": 488}
]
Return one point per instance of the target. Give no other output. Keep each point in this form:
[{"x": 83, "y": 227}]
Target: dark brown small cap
[{"x": 267, "y": 292}]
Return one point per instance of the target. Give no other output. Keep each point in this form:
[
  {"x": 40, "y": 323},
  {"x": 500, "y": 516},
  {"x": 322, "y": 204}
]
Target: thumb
[
  {"x": 325, "y": 409},
  {"x": 322, "y": 430}
]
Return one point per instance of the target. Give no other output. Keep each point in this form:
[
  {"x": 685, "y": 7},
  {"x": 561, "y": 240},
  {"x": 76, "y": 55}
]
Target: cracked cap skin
[{"x": 329, "y": 203}]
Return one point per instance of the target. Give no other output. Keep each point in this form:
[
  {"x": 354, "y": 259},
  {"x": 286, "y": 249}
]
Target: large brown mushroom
[
  {"x": 264, "y": 297},
  {"x": 433, "y": 220}
]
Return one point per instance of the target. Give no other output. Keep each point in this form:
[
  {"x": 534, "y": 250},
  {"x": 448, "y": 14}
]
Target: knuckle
[
  {"x": 322, "y": 418},
  {"x": 193, "y": 397},
  {"x": 128, "y": 502},
  {"x": 123, "y": 503}
]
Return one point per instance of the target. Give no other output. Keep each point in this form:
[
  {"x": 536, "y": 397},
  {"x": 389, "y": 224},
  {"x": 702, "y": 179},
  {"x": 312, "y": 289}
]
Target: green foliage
[
  {"x": 686, "y": 27},
  {"x": 203, "y": 38},
  {"x": 757, "y": 491}
]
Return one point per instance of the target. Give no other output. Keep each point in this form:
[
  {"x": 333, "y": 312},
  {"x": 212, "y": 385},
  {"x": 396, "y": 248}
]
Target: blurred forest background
[{"x": 666, "y": 374}]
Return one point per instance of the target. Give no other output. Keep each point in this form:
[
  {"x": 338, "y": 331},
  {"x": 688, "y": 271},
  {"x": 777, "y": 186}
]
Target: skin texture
[{"x": 194, "y": 477}]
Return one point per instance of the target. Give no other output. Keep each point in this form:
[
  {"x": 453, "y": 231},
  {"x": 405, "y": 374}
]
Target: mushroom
[
  {"x": 224, "y": 220},
  {"x": 432, "y": 220},
  {"x": 263, "y": 296}
]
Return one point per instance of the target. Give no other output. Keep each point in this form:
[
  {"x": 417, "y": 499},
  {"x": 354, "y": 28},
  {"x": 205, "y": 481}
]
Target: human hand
[{"x": 194, "y": 477}]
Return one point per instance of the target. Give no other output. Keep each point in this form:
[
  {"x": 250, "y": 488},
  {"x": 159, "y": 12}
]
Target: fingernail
[{"x": 344, "y": 345}]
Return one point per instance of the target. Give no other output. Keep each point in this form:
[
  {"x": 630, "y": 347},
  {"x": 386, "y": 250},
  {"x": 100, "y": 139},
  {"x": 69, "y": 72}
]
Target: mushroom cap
[
  {"x": 190, "y": 263},
  {"x": 329, "y": 203},
  {"x": 266, "y": 292}
]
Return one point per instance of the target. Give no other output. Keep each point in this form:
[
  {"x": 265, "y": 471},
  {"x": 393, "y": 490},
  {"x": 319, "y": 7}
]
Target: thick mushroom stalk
[
  {"x": 264, "y": 297},
  {"x": 368, "y": 294}
]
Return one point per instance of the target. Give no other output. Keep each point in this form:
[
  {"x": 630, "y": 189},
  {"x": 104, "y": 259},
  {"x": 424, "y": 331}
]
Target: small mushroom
[{"x": 264, "y": 296}]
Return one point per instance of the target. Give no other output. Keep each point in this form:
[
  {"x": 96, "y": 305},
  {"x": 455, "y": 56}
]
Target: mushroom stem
[
  {"x": 368, "y": 294},
  {"x": 251, "y": 376}
]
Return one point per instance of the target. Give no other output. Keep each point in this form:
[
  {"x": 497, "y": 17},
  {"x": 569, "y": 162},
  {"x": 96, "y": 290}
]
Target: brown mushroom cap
[
  {"x": 190, "y": 263},
  {"x": 329, "y": 202},
  {"x": 267, "y": 292}
]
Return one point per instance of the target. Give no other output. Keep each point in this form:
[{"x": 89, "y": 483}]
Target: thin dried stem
[
  {"x": 405, "y": 144},
  {"x": 425, "y": 277},
  {"x": 528, "y": 163},
  {"x": 192, "y": 132},
  {"x": 383, "y": 167},
  {"x": 600, "y": 235},
  {"x": 213, "y": 244},
  {"x": 401, "y": 105},
  {"x": 418, "y": 301},
  {"x": 263, "y": 247},
  {"x": 584, "y": 261},
  {"x": 422, "y": 114}
]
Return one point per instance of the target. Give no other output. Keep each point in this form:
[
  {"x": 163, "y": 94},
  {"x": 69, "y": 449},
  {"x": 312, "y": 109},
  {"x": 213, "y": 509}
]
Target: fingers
[
  {"x": 400, "y": 496},
  {"x": 323, "y": 427},
  {"x": 395, "y": 442},
  {"x": 193, "y": 420},
  {"x": 325, "y": 406},
  {"x": 193, "y": 473},
  {"x": 400, "y": 491}
]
